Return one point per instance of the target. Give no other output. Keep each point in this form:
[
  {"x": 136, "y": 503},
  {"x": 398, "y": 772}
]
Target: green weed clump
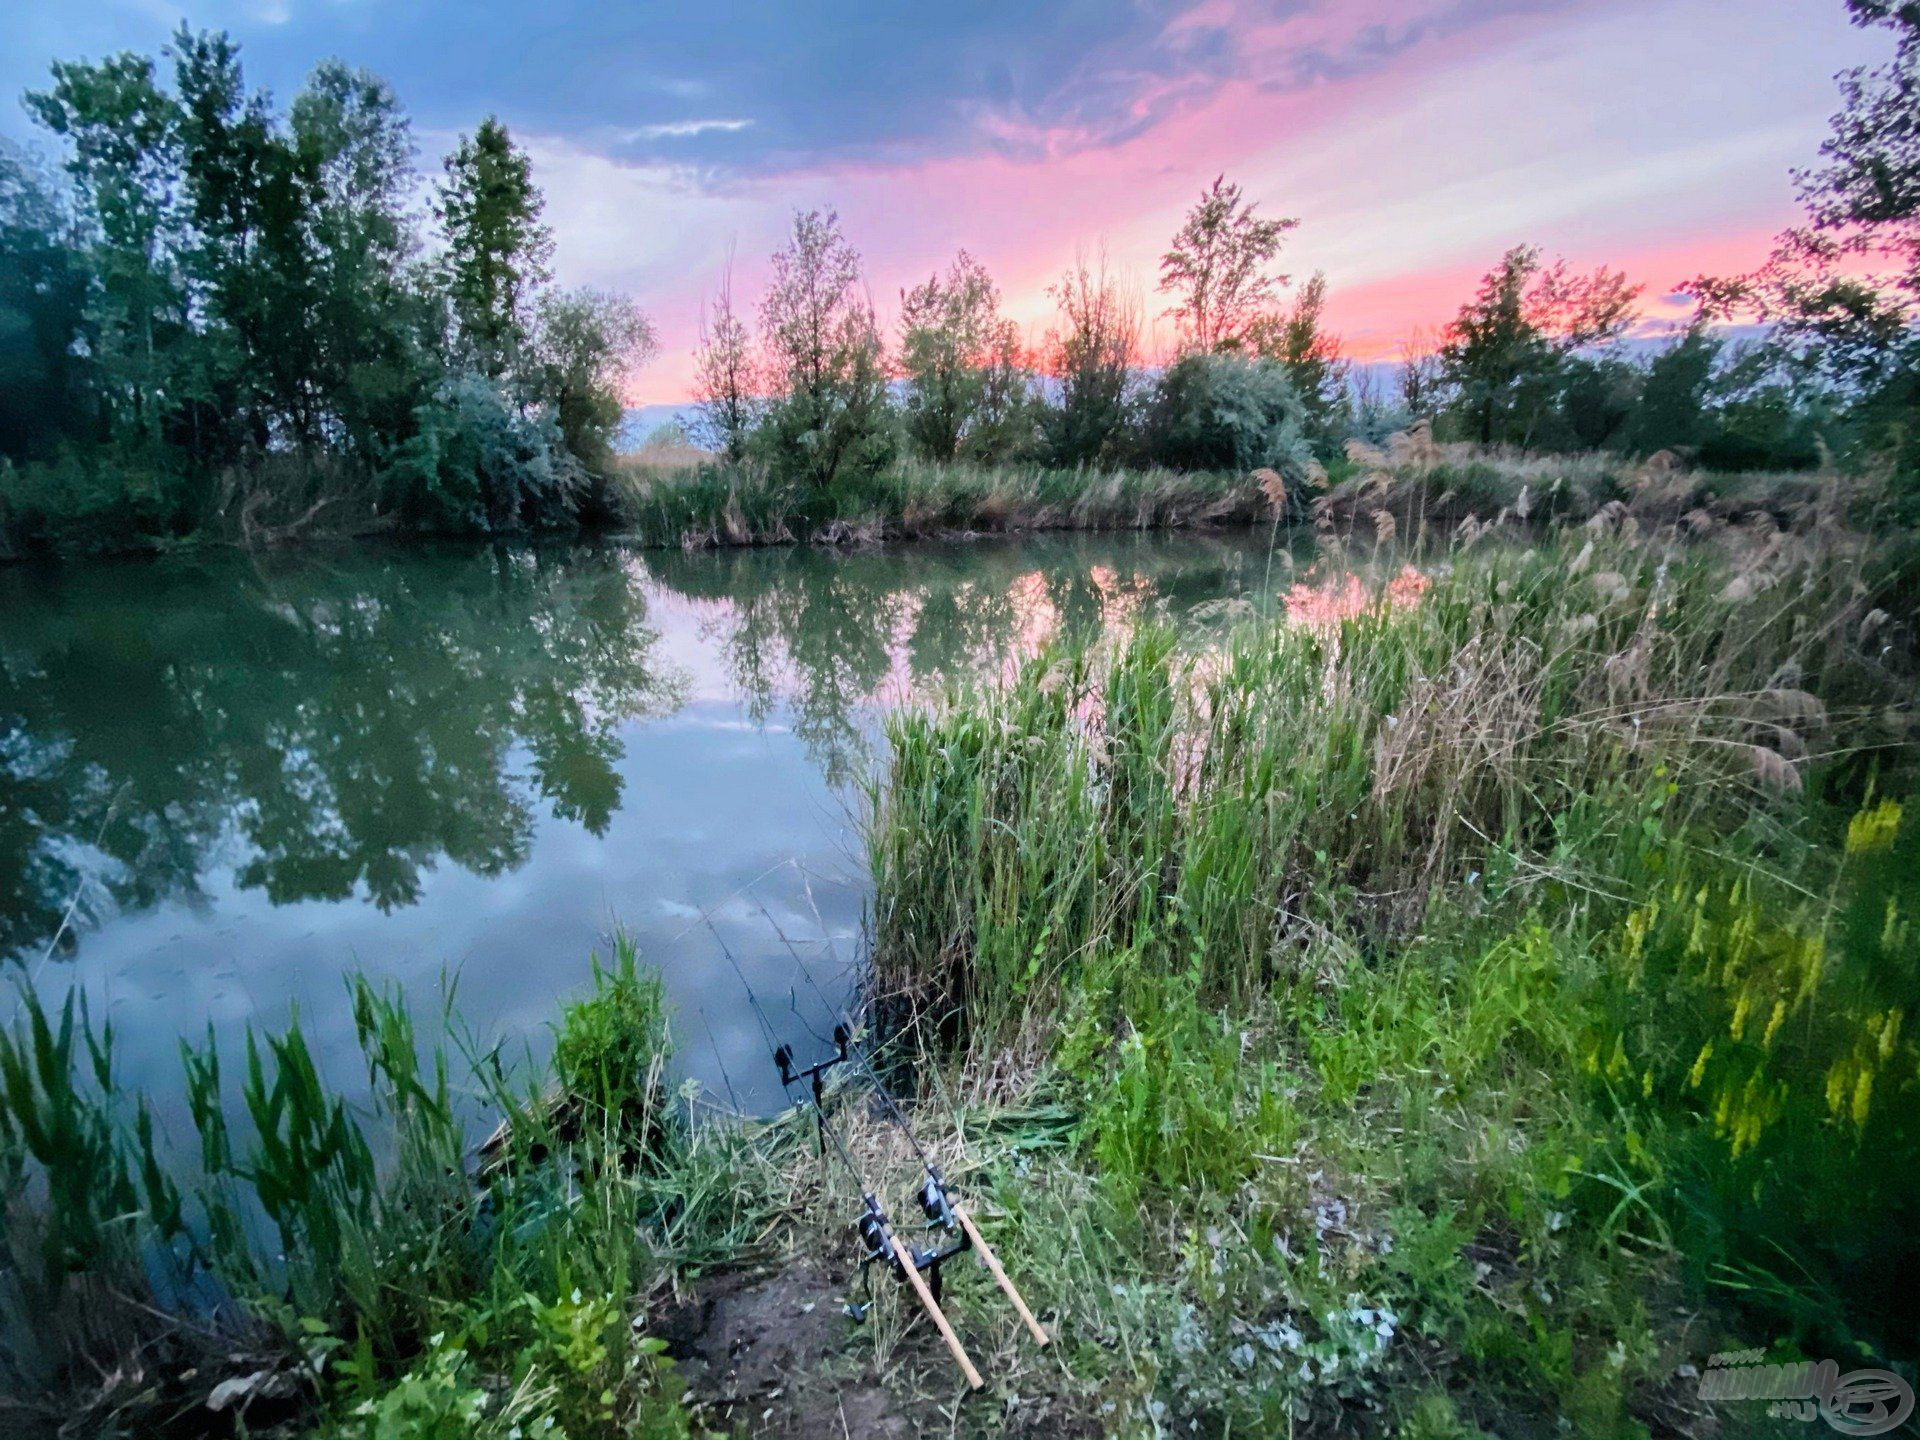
[
  {"x": 1456, "y": 979},
  {"x": 351, "y": 1260}
]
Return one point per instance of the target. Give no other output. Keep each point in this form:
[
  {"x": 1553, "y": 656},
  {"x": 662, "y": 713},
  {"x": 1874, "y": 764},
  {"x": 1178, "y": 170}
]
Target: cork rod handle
[{"x": 932, "y": 1306}]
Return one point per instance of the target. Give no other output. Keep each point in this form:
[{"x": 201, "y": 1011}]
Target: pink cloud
[{"x": 1598, "y": 133}]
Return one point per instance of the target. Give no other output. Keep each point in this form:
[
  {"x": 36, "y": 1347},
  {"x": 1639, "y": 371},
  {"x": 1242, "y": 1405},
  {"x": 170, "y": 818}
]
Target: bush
[
  {"x": 1227, "y": 412},
  {"x": 481, "y": 463}
]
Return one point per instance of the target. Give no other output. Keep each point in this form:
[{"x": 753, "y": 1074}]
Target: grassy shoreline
[
  {"x": 1434, "y": 1012},
  {"x": 1481, "y": 997}
]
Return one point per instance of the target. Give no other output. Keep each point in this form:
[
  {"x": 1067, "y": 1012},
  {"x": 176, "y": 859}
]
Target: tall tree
[
  {"x": 250, "y": 196},
  {"x": 497, "y": 247},
  {"x": 1091, "y": 354},
  {"x": 954, "y": 349},
  {"x": 1501, "y": 356},
  {"x": 123, "y": 134},
  {"x": 1218, "y": 267},
  {"x": 584, "y": 344},
  {"x": 370, "y": 317},
  {"x": 1311, "y": 358},
  {"x": 44, "y": 284},
  {"x": 723, "y": 375},
  {"x": 824, "y": 360}
]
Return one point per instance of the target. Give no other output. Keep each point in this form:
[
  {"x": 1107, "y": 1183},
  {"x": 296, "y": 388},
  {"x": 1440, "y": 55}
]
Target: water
[{"x": 244, "y": 779}]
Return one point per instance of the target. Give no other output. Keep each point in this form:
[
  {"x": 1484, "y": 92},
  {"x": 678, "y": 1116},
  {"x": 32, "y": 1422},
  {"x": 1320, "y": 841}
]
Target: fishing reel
[
  {"x": 877, "y": 1243},
  {"x": 936, "y": 1203}
]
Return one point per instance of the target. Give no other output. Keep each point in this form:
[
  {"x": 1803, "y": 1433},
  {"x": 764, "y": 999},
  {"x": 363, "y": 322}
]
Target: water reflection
[
  {"x": 244, "y": 780},
  {"x": 331, "y": 732}
]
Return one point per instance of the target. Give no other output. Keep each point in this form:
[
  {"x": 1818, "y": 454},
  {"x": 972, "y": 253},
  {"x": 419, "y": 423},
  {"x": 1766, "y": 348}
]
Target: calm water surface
[{"x": 246, "y": 779}]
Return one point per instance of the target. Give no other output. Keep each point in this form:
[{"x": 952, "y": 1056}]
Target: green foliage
[
  {"x": 967, "y": 393},
  {"x": 828, "y": 417},
  {"x": 612, "y": 1048},
  {"x": 1298, "y": 341},
  {"x": 497, "y": 247},
  {"x": 427, "y": 1301},
  {"x": 1217, "y": 266},
  {"x": 479, "y": 462},
  {"x": 1224, "y": 412},
  {"x": 1506, "y": 354},
  {"x": 43, "y": 307},
  {"x": 1091, "y": 355},
  {"x": 230, "y": 309},
  {"x": 1769, "y": 1027}
]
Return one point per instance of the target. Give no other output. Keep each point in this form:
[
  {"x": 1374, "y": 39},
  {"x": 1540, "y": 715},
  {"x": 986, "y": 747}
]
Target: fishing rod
[
  {"x": 937, "y": 1200},
  {"x": 874, "y": 1228},
  {"x": 935, "y": 1196}
]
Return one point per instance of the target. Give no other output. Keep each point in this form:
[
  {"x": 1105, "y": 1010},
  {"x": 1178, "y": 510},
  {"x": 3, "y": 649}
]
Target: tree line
[
  {"x": 214, "y": 299},
  {"x": 217, "y": 311},
  {"x": 1541, "y": 358}
]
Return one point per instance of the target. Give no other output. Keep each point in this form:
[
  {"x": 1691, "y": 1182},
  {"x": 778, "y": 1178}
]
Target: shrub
[
  {"x": 1227, "y": 412},
  {"x": 480, "y": 463}
]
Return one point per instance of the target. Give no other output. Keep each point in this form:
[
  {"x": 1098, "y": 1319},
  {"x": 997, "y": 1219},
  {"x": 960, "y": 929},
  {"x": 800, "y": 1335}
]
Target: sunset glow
[{"x": 1414, "y": 139}]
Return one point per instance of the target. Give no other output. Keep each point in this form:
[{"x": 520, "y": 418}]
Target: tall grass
[
  {"x": 1338, "y": 766},
  {"x": 352, "y": 1261},
  {"x": 1492, "y": 952}
]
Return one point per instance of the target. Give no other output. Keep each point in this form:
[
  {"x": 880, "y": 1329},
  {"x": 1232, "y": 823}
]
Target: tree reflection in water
[{"x": 333, "y": 731}]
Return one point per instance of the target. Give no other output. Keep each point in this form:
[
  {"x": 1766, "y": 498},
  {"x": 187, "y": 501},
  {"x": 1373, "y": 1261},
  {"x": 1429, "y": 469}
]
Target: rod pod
[
  {"x": 940, "y": 1206},
  {"x": 875, "y": 1230}
]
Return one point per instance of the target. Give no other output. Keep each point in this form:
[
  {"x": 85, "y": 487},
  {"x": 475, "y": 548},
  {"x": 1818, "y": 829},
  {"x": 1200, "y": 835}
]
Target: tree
[
  {"x": 1217, "y": 266},
  {"x": 497, "y": 248},
  {"x": 723, "y": 376},
  {"x": 959, "y": 360},
  {"x": 1228, "y": 412},
  {"x": 1310, "y": 357},
  {"x": 583, "y": 345},
  {"x": 44, "y": 284},
  {"x": 123, "y": 134},
  {"x": 1422, "y": 392},
  {"x": 250, "y": 196},
  {"x": 1841, "y": 292},
  {"x": 1091, "y": 357},
  {"x": 1672, "y": 409},
  {"x": 371, "y": 317},
  {"x": 1502, "y": 356},
  {"x": 823, "y": 357}
]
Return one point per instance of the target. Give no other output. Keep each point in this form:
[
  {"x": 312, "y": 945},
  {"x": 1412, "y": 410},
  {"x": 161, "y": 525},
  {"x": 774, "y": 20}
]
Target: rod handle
[
  {"x": 1040, "y": 1336},
  {"x": 932, "y": 1306}
]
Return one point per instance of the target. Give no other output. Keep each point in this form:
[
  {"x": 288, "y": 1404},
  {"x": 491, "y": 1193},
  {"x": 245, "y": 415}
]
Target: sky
[{"x": 1414, "y": 140}]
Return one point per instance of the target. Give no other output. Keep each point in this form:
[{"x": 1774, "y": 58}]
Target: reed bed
[
  {"x": 1463, "y": 982},
  {"x": 719, "y": 505}
]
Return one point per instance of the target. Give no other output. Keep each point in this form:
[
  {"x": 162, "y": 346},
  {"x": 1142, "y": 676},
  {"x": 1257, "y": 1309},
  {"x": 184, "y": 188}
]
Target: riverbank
[
  {"x": 1435, "y": 1010},
  {"x": 719, "y": 505},
  {"x": 1480, "y": 996}
]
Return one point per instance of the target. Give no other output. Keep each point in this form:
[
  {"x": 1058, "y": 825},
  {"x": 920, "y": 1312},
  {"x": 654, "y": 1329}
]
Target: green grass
[
  {"x": 410, "y": 1296},
  {"x": 1377, "y": 957}
]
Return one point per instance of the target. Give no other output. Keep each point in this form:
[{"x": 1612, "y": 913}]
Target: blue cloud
[{"x": 747, "y": 86}]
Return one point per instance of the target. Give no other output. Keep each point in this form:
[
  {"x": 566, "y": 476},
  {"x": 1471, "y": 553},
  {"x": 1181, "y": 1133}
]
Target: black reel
[{"x": 934, "y": 1201}]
